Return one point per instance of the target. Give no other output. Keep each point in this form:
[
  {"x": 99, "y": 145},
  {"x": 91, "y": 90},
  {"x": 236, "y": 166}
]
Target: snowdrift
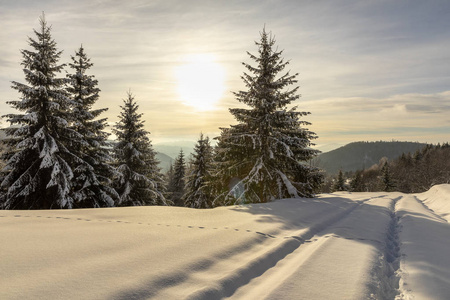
[
  {"x": 337, "y": 246},
  {"x": 438, "y": 200}
]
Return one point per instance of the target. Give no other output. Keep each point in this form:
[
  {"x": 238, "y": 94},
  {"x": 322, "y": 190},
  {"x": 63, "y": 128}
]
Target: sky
[{"x": 367, "y": 70}]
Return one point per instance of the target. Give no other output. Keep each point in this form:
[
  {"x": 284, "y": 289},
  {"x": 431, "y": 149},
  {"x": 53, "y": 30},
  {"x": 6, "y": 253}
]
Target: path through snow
[{"x": 338, "y": 246}]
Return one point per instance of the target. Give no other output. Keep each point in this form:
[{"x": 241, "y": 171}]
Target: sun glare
[{"x": 200, "y": 81}]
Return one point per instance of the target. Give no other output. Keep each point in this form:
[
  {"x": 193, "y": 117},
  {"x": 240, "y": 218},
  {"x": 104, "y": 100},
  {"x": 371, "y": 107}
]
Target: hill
[
  {"x": 362, "y": 155},
  {"x": 164, "y": 161},
  {"x": 173, "y": 149}
]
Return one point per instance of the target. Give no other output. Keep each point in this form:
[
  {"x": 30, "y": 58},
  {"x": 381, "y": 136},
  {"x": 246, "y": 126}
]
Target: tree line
[
  {"x": 413, "y": 172},
  {"x": 57, "y": 155}
]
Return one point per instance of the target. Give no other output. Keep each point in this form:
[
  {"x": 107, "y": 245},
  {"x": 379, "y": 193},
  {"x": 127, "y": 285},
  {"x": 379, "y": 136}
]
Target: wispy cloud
[{"x": 366, "y": 67}]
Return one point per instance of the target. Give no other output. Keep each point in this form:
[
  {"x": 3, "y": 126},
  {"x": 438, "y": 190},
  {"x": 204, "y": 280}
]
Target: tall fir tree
[
  {"x": 2, "y": 163},
  {"x": 356, "y": 184},
  {"x": 169, "y": 182},
  {"x": 386, "y": 178},
  {"x": 139, "y": 181},
  {"x": 92, "y": 177},
  {"x": 264, "y": 156},
  {"x": 177, "y": 186},
  {"x": 339, "y": 184},
  {"x": 38, "y": 173},
  {"x": 198, "y": 192}
]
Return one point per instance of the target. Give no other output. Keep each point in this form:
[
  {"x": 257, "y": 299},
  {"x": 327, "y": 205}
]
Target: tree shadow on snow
[{"x": 343, "y": 216}]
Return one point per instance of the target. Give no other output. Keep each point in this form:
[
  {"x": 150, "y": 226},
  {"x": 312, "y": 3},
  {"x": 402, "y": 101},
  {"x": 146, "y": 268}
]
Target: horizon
[
  {"x": 190, "y": 144},
  {"x": 367, "y": 71}
]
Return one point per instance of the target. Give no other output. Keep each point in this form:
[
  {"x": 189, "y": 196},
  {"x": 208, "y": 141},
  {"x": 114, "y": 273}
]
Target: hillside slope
[
  {"x": 164, "y": 161},
  {"x": 361, "y": 155}
]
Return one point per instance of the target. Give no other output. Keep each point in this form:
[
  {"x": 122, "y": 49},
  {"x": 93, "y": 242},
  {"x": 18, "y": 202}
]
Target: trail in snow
[
  {"x": 227, "y": 285},
  {"x": 340, "y": 257},
  {"x": 338, "y": 246},
  {"x": 425, "y": 248}
]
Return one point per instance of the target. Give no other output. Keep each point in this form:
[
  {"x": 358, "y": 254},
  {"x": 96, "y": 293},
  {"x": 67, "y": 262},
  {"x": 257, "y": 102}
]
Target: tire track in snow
[
  {"x": 220, "y": 279},
  {"x": 291, "y": 271},
  {"x": 424, "y": 260},
  {"x": 228, "y": 284},
  {"x": 267, "y": 258}
]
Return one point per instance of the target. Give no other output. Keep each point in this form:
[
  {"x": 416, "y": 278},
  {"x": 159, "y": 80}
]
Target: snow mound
[{"x": 438, "y": 200}]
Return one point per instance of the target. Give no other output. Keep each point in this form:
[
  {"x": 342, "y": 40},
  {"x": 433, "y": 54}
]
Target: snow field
[
  {"x": 337, "y": 246},
  {"x": 437, "y": 200},
  {"x": 425, "y": 248},
  {"x": 338, "y": 260}
]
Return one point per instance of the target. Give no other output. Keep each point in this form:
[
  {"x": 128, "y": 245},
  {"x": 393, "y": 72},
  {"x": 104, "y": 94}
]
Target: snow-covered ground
[{"x": 337, "y": 246}]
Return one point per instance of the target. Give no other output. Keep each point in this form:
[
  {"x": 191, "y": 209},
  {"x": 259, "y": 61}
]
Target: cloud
[
  {"x": 421, "y": 117},
  {"x": 366, "y": 67}
]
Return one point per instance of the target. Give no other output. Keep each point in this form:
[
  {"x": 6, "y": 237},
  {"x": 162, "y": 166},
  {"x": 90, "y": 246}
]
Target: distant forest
[
  {"x": 411, "y": 172},
  {"x": 363, "y": 155}
]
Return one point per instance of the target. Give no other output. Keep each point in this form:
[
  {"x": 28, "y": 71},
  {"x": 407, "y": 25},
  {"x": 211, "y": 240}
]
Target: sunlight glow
[{"x": 200, "y": 81}]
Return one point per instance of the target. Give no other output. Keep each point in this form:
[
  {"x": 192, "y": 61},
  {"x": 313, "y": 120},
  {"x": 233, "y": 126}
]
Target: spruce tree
[
  {"x": 356, "y": 184},
  {"x": 139, "y": 181},
  {"x": 198, "y": 189},
  {"x": 38, "y": 173},
  {"x": 266, "y": 153},
  {"x": 339, "y": 185},
  {"x": 2, "y": 164},
  {"x": 386, "y": 178},
  {"x": 169, "y": 182},
  {"x": 177, "y": 186},
  {"x": 92, "y": 177}
]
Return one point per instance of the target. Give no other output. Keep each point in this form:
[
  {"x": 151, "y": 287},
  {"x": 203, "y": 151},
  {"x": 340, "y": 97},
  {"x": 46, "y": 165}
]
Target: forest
[
  {"x": 56, "y": 153},
  {"x": 413, "y": 172}
]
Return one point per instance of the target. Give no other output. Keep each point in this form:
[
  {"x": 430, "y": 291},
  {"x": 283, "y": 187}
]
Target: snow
[
  {"x": 337, "y": 246},
  {"x": 426, "y": 247},
  {"x": 435, "y": 199}
]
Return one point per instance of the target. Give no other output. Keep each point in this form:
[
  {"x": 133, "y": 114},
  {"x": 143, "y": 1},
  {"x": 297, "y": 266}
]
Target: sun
[{"x": 201, "y": 81}]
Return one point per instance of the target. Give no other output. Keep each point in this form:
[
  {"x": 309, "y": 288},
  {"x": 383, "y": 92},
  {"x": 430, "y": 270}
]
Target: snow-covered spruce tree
[
  {"x": 38, "y": 174},
  {"x": 2, "y": 164},
  {"x": 139, "y": 181},
  {"x": 198, "y": 189},
  {"x": 92, "y": 178},
  {"x": 177, "y": 186},
  {"x": 264, "y": 156}
]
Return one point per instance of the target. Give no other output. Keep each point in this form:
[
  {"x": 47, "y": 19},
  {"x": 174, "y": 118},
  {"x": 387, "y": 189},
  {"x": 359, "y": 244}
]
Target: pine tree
[
  {"x": 2, "y": 164},
  {"x": 92, "y": 177},
  {"x": 386, "y": 178},
  {"x": 139, "y": 180},
  {"x": 356, "y": 185},
  {"x": 178, "y": 183},
  {"x": 38, "y": 174},
  {"x": 266, "y": 152},
  {"x": 339, "y": 185},
  {"x": 198, "y": 189},
  {"x": 169, "y": 182}
]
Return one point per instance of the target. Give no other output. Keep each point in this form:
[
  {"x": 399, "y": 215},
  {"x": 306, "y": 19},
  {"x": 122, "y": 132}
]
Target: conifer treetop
[
  {"x": 139, "y": 181},
  {"x": 265, "y": 152},
  {"x": 38, "y": 169}
]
